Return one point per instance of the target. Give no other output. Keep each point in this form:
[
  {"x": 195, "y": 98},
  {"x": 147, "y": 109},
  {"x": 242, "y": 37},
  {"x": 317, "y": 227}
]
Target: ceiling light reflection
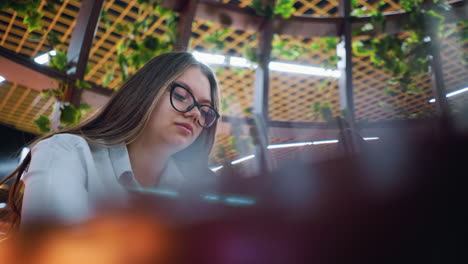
[
  {"x": 451, "y": 94},
  {"x": 44, "y": 58}
]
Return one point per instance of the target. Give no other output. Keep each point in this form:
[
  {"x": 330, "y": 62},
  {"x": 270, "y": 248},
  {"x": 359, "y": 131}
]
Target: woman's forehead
[{"x": 196, "y": 81}]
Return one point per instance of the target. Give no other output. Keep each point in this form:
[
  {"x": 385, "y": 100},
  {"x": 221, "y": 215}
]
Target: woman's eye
[{"x": 180, "y": 97}]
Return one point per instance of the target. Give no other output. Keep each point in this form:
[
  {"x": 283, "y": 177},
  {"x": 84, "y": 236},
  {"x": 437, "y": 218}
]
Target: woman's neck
[{"x": 148, "y": 161}]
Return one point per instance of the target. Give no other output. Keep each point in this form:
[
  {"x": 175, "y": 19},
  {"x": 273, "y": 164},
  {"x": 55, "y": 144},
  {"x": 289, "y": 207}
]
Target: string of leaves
[
  {"x": 284, "y": 49},
  {"x": 323, "y": 108},
  {"x": 406, "y": 56},
  {"x": 69, "y": 115},
  {"x": 136, "y": 48}
]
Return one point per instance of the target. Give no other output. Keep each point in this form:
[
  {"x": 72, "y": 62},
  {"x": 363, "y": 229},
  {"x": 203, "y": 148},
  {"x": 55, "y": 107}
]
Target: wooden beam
[
  {"x": 308, "y": 27},
  {"x": 24, "y": 76},
  {"x": 228, "y": 15},
  {"x": 184, "y": 26},
  {"x": 246, "y": 19},
  {"x": 28, "y": 63},
  {"x": 81, "y": 43},
  {"x": 45, "y": 71},
  {"x": 175, "y": 5}
]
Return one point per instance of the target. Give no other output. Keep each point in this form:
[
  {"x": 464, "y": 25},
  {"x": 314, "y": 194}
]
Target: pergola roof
[{"x": 291, "y": 96}]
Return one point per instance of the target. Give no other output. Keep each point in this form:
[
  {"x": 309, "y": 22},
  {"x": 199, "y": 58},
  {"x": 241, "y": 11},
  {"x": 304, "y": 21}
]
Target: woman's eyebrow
[{"x": 186, "y": 86}]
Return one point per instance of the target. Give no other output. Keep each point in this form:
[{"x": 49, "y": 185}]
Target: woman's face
[{"x": 174, "y": 129}]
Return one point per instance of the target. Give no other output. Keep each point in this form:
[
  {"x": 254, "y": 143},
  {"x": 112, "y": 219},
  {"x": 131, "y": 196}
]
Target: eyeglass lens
[{"x": 183, "y": 101}]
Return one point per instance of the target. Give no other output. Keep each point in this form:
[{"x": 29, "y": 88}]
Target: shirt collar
[
  {"x": 171, "y": 177},
  {"x": 120, "y": 160}
]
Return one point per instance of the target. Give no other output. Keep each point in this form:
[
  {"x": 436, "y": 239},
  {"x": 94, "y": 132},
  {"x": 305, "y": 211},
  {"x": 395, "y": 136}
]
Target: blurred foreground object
[
  {"x": 126, "y": 237},
  {"x": 395, "y": 202}
]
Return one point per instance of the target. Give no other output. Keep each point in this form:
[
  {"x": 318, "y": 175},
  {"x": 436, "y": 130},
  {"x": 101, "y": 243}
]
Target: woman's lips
[{"x": 185, "y": 127}]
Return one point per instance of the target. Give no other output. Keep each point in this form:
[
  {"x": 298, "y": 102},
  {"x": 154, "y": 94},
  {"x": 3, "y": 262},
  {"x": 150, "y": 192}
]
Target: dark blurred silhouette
[{"x": 398, "y": 201}]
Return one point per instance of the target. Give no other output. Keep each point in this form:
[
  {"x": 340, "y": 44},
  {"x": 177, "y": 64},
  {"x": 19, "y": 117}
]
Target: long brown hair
[{"x": 125, "y": 116}]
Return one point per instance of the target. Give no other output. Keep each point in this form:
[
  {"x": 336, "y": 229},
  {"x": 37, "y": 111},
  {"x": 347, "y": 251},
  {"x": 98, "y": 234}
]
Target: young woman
[{"x": 157, "y": 131}]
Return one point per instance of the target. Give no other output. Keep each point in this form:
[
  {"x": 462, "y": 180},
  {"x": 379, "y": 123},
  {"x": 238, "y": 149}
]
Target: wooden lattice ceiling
[
  {"x": 234, "y": 40},
  {"x": 20, "y": 105},
  {"x": 291, "y": 95},
  {"x": 103, "y": 55},
  {"x": 15, "y": 36}
]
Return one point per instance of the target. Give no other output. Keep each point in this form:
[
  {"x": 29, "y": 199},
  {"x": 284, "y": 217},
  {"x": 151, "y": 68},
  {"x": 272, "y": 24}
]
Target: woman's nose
[{"x": 193, "y": 113}]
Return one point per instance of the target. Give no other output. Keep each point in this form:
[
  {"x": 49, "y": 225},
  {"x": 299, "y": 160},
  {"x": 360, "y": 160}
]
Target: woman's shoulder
[{"x": 63, "y": 141}]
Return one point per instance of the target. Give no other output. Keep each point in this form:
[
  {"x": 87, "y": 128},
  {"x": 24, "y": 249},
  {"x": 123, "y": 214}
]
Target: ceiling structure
[{"x": 291, "y": 95}]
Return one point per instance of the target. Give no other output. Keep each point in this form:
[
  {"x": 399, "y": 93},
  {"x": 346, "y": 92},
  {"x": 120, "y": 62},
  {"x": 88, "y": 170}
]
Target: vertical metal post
[
  {"x": 261, "y": 92},
  {"x": 81, "y": 43},
  {"x": 344, "y": 50},
  {"x": 437, "y": 73},
  {"x": 437, "y": 78}
]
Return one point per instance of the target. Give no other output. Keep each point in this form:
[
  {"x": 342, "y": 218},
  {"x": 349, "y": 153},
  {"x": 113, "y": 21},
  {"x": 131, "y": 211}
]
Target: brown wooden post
[
  {"x": 344, "y": 50},
  {"x": 261, "y": 92},
  {"x": 184, "y": 26},
  {"x": 81, "y": 43},
  {"x": 437, "y": 77},
  {"x": 437, "y": 73}
]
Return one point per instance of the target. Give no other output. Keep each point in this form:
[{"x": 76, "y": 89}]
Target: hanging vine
[
  {"x": 64, "y": 114},
  {"x": 323, "y": 108},
  {"x": 136, "y": 48},
  {"x": 405, "y": 56}
]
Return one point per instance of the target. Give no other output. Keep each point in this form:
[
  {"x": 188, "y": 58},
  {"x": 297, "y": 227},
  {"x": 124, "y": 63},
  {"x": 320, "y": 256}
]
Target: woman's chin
[{"x": 180, "y": 143}]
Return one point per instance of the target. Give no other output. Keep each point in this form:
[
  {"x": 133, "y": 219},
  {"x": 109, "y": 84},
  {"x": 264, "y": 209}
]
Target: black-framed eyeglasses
[{"x": 183, "y": 101}]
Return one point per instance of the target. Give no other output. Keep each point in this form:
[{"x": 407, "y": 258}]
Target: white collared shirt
[{"x": 69, "y": 177}]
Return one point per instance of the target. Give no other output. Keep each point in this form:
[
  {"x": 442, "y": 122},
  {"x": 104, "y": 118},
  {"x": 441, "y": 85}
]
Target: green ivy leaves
[
  {"x": 59, "y": 61},
  {"x": 322, "y": 109},
  {"x": 217, "y": 38},
  {"x": 250, "y": 53},
  {"x": 80, "y": 84},
  {"x": 47, "y": 94},
  {"x": 33, "y": 20},
  {"x": 69, "y": 116},
  {"x": 263, "y": 10},
  {"x": 327, "y": 44},
  {"x": 136, "y": 48},
  {"x": 43, "y": 123},
  {"x": 403, "y": 57},
  {"x": 28, "y": 8},
  {"x": 284, "y": 8},
  {"x": 281, "y": 49}
]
